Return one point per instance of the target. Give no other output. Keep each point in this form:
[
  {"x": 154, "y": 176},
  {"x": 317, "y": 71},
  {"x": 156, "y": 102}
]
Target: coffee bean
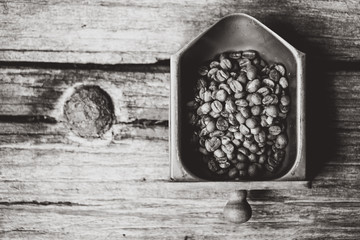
[
  {"x": 212, "y": 144},
  {"x": 255, "y": 130},
  {"x": 221, "y": 75},
  {"x": 228, "y": 148},
  {"x": 221, "y": 95},
  {"x": 263, "y": 91},
  {"x": 214, "y": 114},
  {"x": 253, "y": 86},
  {"x": 249, "y": 54},
  {"x": 268, "y": 83},
  {"x": 241, "y": 157},
  {"x": 244, "y": 130},
  {"x": 283, "y": 82},
  {"x": 241, "y": 165},
  {"x": 225, "y": 87},
  {"x": 203, "y": 70},
  {"x": 224, "y": 165},
  {"x": 213, "y": 165},
  {"x": 242, "y": 78},
  {"x": 251, "y": 122},
  {"x": 256, "y": 98},
  {"x": 251, "y": 72},
  {"x": 211, "y": 126},
  {"x": 244, "y": 62},
  {"x": 233, "y": 173},
  {"x": 235, "y": 55},
  {"x": 217, "y": 133},
  {"x": 204, "y": 109},
  {"x": 218, "y": 153},
  {"x": 235, "y": 86},
  {"x": 274, "y": 75},
  {"x": 222, "y": 124},
  {"x": 256, "y": 110},
  {"x": 214, "y": 64},
  {"x": 272, "y": 111},
  {"x": 230, "y": 106},
  {"x": 281, "y": 69},
  {"x": 283, "y": 109},
  {"x": 216, "y": 106},
  {"x": 274, "y": 130},
  {"x": 253, "y": 170},
  {"x": 207, "y": 96},
  {"x": 240, "y": 118},
  {"x": 281, "y": 141},
  {"x": 225, "y": 64},
  {"x": 245, "y": 112},
  {"x": 285, "y": 100}
]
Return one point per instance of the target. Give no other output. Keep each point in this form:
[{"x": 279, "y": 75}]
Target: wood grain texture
[
  {"x": 144, "y": 32},
  {"x": 54, "y": 185}
]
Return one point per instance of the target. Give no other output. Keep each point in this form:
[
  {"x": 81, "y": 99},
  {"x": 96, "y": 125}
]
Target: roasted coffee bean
[
  {"x": 244, "y": 130},
  {"x": 224, "y": 164},
  {"x": 239, "y": 135},
  {"x": 281, "y": 69},
  {"x": 213, "y": 165},
  {"x": 241, "y": 165},
  {"x": 242, "y": 103},
  {"x": 244, "y": 151},
  {"x": 244, "y": 62},
  {"x": 214, "y": 114},
  {"x": 255, "y": 130},
  {"x": 279, "y": 155},
  {"x": 203, "y": 70},
  {"x": 236, "y": 142},
  {"x": 253, "y": 86},
  {"x": 217, "y": 133},
  {"x": 214, "y": 64},
  {"x": 218, "y": 153},
  {"x": 241, "y": 157},
  {"x": 245, "y": 112},
  {"x": 272, "y": 111},
  {"x": 233, "y": 129},
  {"x": 212, "y": 86},
  {"x": 249, "y": 54},
  {"x": 253, "y": 157},
  {"x": 262, "y": 158},
  {"x": 233, "y": 173},
  {"x": 254, "y": 148},
  {"x": 251, "y": 122},
  {"x": 207, "y": 96},
  {"x": 221, "y": 95},
  {"x": 204, "y": 109},
  {"x": 212, "y": 144},
  {"x": 285, "y": 100},
  {"x": 232, "y": 120},
  {"x": 216, "y": 106},
  {"x": 278, "y": 89},
  {"x": 274, "y": 75},
  {"x": 281, "y": 141},
  {"x": 225, "y": 140},
  {"x": 256, "y": 110},
  {"x": 269, "y": 168},
  {"x": 283, "y": 109},
  {"x": 242, "y": 78},
  {"x": 221, "y": 75},
  {"x": 240, "y": 118},
  {"x": 256, "y": 98},
  {"x": 228, "y": 148},
  {"x": 239, "y": 95},
  {"x": 225, "y": 64},
  {"x": 251, "y": 72},
  {"x": 242, "y": 173},
  {"x": 235, "y": 55},
  {"x": 225, "y": 87},
  {"x": 253, "y": 170},
  {"x": 274, "y": 130},
  {"x": 263, "y": 91},
  {"x": 235, "y": 86},
  {"x": 222, "y": 124},
  {"x": 212, "y": 72},
  {"x": 268, "y": 83},
  {"x": 230, "y": 106},
  {"x": 211, "y": 126},
  {"x": 283, "y": 82}
]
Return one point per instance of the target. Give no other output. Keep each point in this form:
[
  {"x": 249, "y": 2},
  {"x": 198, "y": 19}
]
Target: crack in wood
[
  {"x": 42, "y": 203},
  {"x": 27, "y": 119}
]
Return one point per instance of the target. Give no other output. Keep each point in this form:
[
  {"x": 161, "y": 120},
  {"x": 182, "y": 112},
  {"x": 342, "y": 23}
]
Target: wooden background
[{"x": 56, "y": 186}]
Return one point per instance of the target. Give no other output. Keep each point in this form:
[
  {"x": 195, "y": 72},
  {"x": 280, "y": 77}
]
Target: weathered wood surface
[
  {"x": 147, "y": 31},
  {"x": 56, "y": 186}
]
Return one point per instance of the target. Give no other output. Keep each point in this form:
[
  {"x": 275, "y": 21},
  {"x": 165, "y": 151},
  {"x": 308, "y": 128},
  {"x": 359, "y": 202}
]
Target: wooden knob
[{"x": 237, "y": 209}]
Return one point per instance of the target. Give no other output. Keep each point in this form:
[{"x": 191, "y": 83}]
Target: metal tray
[{"x": 234, "y": 32}]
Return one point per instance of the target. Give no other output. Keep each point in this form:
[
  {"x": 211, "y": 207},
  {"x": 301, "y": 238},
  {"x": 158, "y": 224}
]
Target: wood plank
[
  {"x": 130, "y": 32},
  {"x": 135, "y": 94},
  {"x": 164, "y": 218}
]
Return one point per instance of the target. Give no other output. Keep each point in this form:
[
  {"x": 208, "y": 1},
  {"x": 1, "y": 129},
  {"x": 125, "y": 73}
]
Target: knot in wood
[{"x": 89, "y": 111}]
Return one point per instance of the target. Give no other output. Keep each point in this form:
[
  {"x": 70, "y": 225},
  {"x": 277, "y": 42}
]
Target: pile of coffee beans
[{"x": 238, "y": 115}]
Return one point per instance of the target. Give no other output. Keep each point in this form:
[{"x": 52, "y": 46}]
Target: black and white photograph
[{"x": 179, "y": 120}]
